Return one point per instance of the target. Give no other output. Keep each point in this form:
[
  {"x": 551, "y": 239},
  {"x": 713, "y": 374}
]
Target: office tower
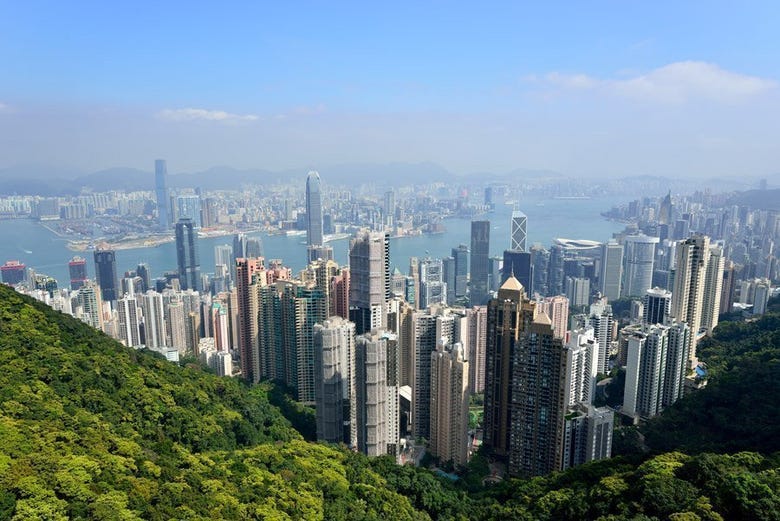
[
  {"x": 577, "y": 291},
  {"x": 424, "y": 331},
  {"x": 105, "y": 273},
  {"x": 223, "y": 256},
  {"x": 314, "y": 210},
  {"x": 77, "y": 268},
  {"x": 371, "y": 392},
  {"x": 582, "y": 356},
  {"x": 713, "y": 288},
  {"x": 449, "y": 438},
  {"x": 657, "y": 305},
  {"x": 161, "y": 190},
  {"x": 587, "y": 434},
  {"x": 461, "y": 256},
  {"x": 518, "y": 264},
  {"x": 611, "y": 269},
  {"x": 693, "y": 257},
  {"x": 253, "y": 247},
  {"x": 518, "y": 236},
  {"x": 639, "y": 258},
  {"x": 129, "y": 330},
  {"x": 334, "y": 381},
  {"x": 91, "y": 304},
  {"x": 495, "y": 266},
  {"x": 414, "y": 273},
  {"x": 154, "y": 320},
  {"x": 681, "y": 229},
  {"x": 727, "y": 287},
  {"x": 665, "y": 210},
  {"x": 143, "y": 271},
  {"x": 557, "y": 309},
  {"x": 369, "y": 283},
  {"x": 540, "y": 258},
  {"x": 187, "y": 254},
  {"x": 555, "y": 278},
  {"x": 448, "y": 276},
  {"x": 188, "y": 207},
  {"x": 389, "y": 208},
  {"x": 239, "y": 246},
  {"x": 433, "y": 290},
  {"x": 480, "y": 255}
]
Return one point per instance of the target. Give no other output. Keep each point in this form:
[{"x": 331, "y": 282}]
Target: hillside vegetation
[{"x": 91, "y": 429}]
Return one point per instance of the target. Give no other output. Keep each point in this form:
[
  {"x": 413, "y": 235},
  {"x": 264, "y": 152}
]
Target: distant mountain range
[{"x": 50, "y": 181}]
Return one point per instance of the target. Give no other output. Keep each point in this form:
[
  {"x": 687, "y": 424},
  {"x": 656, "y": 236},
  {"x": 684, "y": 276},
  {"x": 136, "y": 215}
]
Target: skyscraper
[
  {"x": 518, "y": 235},
  {"x": 480, "y": 257},
  {"x": 433, "y": 289},
  {"x": 188, "y": 207},
  {"x": 129, "y": 324},
  {"x": 518, "y": 263},
  {"x": 461, "y": 256},
  {"x": 161, "y": 190},
  {"x": 78, "y": 272},
  {"x": 639, "y": 258},
  {"x": 713, "y": 288},
  {"x": 313, "y": 210},
  {"x": 611, "y": 269},
  {"x": 693, "y": 257},
  {"x": 334, "y": 381},
  {"x": 369, "y": 284},
  {"x": 371, "y": 410},
  {"x": 477, "y": 321},
  {"x": 449, "y": 403},
  {"x": 657, "y": 305},
  {"x": 187, "y": 254},
  {"x": 248, "y": 281},
  {"x": 154, "y": 321},
  {"x": 105, "y": 272}
]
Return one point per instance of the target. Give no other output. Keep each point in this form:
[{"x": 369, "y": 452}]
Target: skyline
[{"x": 619, "y": 90}]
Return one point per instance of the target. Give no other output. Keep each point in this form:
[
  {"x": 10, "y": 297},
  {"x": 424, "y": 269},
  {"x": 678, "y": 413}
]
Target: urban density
[{"x": 514, "y": 354}]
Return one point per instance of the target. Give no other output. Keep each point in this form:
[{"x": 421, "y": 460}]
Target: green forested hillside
[{"x": 90, "y": 429}]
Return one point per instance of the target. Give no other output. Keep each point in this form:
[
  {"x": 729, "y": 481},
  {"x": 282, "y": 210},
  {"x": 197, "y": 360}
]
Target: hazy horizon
[{"x": 611, "y": 91}]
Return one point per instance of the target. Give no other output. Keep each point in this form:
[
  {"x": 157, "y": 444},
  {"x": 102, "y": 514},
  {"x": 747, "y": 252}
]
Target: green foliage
[
  {"x": 738, "y": 409},
  {"x": 92, "y": 430}
]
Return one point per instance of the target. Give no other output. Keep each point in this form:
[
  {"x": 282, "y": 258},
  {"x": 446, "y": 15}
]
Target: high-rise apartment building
[
  {"x": 314, "y": 234},
  {"x": 480, "y": 257},
  {"x": 154, "y": 320},
  {"x": 91, "y": 305},
  {"x": 129, "y": 323},
  {"x": 520, "y": 344},
  {"x": 376, "y": 402},
  {"x": 582, "y": 355},
  {"x": 477, "y": 322},
  {"x": 334, "y": 381},
  {"x": 161, "y": 191},
  {"x": 105, "y": 273},
  {"x": 249, "y": 278},
  {"x": 557, "y": 309},
  {"x": 449, "y": 406},
  {"x": 693, "y": 257},
  {"x": 187, "y": 254},
  {"x": 639, "y": 257},
  {"x": 369, "y": 283},
  {"x": 587, "y": 434},
  {"x": 713, "y": 289}
]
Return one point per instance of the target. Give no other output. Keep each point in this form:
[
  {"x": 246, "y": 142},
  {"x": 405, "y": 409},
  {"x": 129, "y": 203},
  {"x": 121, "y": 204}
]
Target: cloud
[
  {"x": 191, "y": 114},
  {"x": 673, "y": 83},
  {"x": 4, "y": 107}
]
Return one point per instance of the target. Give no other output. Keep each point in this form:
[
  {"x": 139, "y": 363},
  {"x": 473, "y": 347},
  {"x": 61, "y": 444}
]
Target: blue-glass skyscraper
[
  {"x": 313, "y": 210},
  {"x": 187, "y": 254}
]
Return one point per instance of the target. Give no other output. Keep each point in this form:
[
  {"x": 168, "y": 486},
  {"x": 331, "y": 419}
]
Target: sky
[{"x": 602, "y": 88}]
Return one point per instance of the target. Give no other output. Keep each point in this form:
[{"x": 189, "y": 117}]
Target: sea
[{"x": 34, "y": 245}]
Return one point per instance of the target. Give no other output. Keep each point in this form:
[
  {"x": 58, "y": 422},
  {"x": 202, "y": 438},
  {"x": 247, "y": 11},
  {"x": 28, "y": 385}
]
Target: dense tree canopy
[{"x": 91, "y": 429}]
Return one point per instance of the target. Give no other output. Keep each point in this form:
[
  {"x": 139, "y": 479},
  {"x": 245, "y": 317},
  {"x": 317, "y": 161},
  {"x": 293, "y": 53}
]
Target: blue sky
[{"x": 544, "y": 85}]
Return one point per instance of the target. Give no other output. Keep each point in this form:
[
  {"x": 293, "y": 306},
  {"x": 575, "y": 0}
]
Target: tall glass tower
[
  {"x": 105, "y": 271},
  {"x": 161, "y": 189},
  {"x": 187, "y": 254},
  {"x": 480, "y": 256},
  {"x": 313, "y": 210}
]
